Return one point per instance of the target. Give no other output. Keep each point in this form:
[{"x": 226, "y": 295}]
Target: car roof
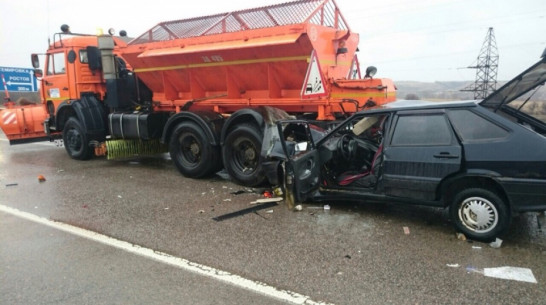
[{"x": 418, "y": 105}]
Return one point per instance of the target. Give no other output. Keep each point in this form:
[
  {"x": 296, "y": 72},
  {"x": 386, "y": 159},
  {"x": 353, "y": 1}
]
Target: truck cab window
[
  {"x": 49, "y": 65},
  {"x": 56, "y": 64},
  {"x": 83, "y": 57}
]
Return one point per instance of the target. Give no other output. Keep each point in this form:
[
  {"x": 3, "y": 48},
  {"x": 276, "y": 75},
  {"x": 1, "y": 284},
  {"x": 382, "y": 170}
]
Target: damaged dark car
[{"x": 484, "y": 160}]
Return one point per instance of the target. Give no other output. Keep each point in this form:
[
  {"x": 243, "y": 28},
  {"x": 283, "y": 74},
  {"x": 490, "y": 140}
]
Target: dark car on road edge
[{"x": 484, "y": 160}]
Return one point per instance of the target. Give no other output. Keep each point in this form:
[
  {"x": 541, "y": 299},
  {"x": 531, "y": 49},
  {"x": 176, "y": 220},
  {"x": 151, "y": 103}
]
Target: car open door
[
  {"x": 302, "y": 165},
  {"x": 421, "y": 150}
]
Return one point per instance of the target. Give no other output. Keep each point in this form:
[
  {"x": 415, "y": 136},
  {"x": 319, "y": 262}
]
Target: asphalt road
[{"x": 351, "y": 254}]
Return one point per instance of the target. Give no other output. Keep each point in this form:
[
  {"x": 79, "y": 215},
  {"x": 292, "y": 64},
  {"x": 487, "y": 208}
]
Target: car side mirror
[
  {"x": 38, "y": 73},
  {"x": 94, "y": 58},
  {"x": 35, "y": 61}
]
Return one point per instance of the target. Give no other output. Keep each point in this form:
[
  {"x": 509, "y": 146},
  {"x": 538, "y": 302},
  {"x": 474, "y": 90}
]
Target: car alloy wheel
[{"x": 478, "y": 214}]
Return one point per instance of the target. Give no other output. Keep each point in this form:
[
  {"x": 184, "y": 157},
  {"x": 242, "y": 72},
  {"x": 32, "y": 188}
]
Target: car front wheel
[{"x": 480, "y": 214}]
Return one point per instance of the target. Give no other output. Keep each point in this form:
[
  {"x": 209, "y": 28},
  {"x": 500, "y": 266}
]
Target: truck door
[
  {"x": 421, "y": 150},
  {"x": 55, "y": 82},
  {"x": 302, "y": 167}
]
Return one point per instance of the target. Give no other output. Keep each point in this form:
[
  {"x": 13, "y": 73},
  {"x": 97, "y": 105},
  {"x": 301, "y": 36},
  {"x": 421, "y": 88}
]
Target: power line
[{"x": 486, "y": 69}]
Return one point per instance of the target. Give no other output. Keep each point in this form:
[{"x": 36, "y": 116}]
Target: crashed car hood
[{"x": 523, "y": 83}]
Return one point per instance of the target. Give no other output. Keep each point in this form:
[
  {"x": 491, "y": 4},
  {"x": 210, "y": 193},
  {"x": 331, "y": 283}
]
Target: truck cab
[{"x": 71, "y": 69}]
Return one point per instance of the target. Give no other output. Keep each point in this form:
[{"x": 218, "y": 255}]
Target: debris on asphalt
[
  {"x": 476, "y": 247},
  {"x": 239, "y": 192},
  {"x": 269, "y": 211},
  {"x": 326, "y": 207},
  {"x": 506, "y": 273},
  {"x": 201, "y": 211},
  {"x": 347, "y": 256},
  {"x": 247, "y": 190},
  {"x": 471, "y": 269},
  {"x": 119, "y": 196},
  {"x": 496, "y": 244},
  {"x": 41, "y": 178},
  {"x": 453, "y": 265},
  {"x": 264, "y": 200},
  {"x": 406, "y": 231},
  {"x": 253, "y": 209},
  {"x": 60, "y": 170},
  {"x": 278, "y": 191},
  {"x": 298, "y": 207},
  {"x": 268, "y": 194},
  {"x": 461, "y": 236},
  {"x": 227, "y": 199},
  {"x": 12, "y": 184},
  {"x": 511, "y": 273}
]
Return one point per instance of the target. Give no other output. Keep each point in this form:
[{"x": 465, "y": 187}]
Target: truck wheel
[
  {"x": 241, "y": 154},
  {"x": 480, "y": 214},
  {"x": 191, "y": 151},
  {"x": 76, "y": 141}
]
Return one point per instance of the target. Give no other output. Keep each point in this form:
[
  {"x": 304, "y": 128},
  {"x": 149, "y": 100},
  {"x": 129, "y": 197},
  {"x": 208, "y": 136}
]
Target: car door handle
[{"x": 445, "y": 155}]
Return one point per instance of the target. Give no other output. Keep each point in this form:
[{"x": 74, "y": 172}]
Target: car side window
[
  {"x": 471, "y": 126},
  {"x": 414, "y": 130}
]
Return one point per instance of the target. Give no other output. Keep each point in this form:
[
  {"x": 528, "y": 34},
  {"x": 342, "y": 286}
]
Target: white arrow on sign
[{"x": 20, "y": 84}]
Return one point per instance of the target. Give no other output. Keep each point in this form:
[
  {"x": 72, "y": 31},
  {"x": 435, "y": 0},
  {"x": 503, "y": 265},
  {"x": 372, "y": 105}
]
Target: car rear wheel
[{"x": 480, "y": 214}]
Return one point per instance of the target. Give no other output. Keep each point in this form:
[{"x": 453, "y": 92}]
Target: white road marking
[{"x": 238, "y": 281}]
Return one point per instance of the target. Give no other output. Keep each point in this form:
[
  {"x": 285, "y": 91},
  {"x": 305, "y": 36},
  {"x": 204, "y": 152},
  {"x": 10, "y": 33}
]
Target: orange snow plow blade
[{"x": 23, "y": 124}]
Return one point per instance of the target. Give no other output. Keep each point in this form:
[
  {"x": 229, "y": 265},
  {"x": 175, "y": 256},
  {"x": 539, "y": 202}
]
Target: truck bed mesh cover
[{"x": 320, "y": 12}]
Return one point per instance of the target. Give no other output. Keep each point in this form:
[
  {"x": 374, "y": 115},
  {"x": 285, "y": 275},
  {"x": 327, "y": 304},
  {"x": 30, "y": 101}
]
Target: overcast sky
[{"x": 422, "y": 40}]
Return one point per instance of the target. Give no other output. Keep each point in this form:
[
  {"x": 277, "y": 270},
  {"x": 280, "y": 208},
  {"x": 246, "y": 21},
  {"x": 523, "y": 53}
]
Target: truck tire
[
  {"x": 76, "y": 141},
  {"x": 191, "y": 151},
  {"x": 480, "y": 214},
  {"x": 241, "y": 155}
]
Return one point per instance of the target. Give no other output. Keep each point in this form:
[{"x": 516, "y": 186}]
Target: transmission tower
[{"x": 486, "y": 68}]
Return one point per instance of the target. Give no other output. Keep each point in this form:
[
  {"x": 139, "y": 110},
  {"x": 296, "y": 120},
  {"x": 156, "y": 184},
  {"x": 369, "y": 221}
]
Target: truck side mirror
[
  {"x": 35, "y": 61},
  {"x": 94, "y": 59},
  {"x": 38, "y": 73}
]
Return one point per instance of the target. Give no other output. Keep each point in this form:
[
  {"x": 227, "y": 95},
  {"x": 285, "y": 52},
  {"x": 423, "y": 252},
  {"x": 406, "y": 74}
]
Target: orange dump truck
[{"x": 204, "y": 88}]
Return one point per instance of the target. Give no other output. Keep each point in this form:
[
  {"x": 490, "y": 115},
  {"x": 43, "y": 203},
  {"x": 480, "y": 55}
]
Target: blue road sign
[{"x": 18, "y": 79}]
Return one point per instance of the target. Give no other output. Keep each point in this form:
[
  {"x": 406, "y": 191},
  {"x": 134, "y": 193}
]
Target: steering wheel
[{"x": 347, "y": 147}]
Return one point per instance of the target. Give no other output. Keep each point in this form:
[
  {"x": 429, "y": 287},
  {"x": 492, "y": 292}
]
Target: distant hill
[{"x": 444, "y": 90}]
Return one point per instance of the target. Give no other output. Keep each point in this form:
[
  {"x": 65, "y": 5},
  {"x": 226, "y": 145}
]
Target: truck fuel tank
[{"x": 144, "y": 126}]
